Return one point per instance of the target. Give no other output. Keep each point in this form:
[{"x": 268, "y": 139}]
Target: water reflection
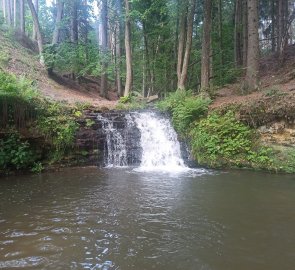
[{"x": 122, "y": 219}]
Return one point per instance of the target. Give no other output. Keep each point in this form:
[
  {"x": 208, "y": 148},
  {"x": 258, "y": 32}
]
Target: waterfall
[
  {"x": 160, "y": 147},
  {"x": 115, "y": 145},
  {"x": 146, "y": 139}
]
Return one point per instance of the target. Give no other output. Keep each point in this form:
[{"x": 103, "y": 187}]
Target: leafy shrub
[
  {"x": 15, "y": 154},
  {"x": 20, "y": 88},
  {"x": 188, "y": 111},
  {"x": 173, "y": 100},
  {"x": 37, "y": 167},
  {"x": 185, "y": 108},
  {"x": 59, "y": 130},
  {"x": 222, "y": 140}
]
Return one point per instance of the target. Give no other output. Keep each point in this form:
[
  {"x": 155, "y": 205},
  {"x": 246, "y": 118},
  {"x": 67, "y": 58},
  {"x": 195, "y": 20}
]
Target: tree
[
  {"x": 251, "y": 82},
  {"x": 183, "y": 65},
  {"x": 36, "y": 6},
  {"x": 58, "y": 20},
  {"x": 205, "y": 70},
  {"x": 22, "y": 16},
  {"x": 118, "y": 47},
  {"x": 14, "y": 14},
  {"x": 38, "y": 30},
  {"x": 8, "y": 12},
  {"x": 128, "y": 83},
  {"x": 104, "y": 48},
  {"x": 74, "y": 22}
]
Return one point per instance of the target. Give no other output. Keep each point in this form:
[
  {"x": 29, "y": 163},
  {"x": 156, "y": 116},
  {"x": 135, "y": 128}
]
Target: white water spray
[
  {"x": 160, "y": 147},
  {"x": 115, "y": 147}
]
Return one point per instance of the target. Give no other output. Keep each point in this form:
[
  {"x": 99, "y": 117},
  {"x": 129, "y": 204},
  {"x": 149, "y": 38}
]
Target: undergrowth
[
  {"x": 131, "y": 102},
  {"x": 185, "y": 108},
  {"x": 22, "y": 107},
  {"x": 221, "y": 140}
]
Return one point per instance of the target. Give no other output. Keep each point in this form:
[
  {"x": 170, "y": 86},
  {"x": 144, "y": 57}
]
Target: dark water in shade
[{"x": 120, "y": 219}]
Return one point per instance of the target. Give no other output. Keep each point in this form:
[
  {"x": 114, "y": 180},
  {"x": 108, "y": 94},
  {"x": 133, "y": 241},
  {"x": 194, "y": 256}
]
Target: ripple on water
[{"x": 27, "y": 262}]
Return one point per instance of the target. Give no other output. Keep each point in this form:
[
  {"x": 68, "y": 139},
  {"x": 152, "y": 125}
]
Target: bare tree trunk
[
  {"x": 36, "y": 5},
  {"x": 205, "y": 70},
  {"x": 181, "y": 42},
  {"x": 220, "y": 28},
  {"x": 189, "y": 36},
  {"x": 14, "y": 13},
  {"x": 74, "y": 22},
  {"x": 238, "y": 34},
  {"x": 273, "y": 23},
  {"x": 38, "y": 30},
  {"x": 280, "y": 26},
  {"x": 22, "y": 16},
  {"x": 59, "y": 15},
  {"x": 128, "y": 84},
  {"x": 245, "y": 31},
  {"x": 252, "y": 77},
  {"x": 104, "y": 48},
  {"x": 8, "y": 11},
  {"x": 118, "y": 49},
  {"x": 4, "y": 9}
]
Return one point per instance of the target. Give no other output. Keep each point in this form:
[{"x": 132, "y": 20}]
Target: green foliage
[
  {"x": 185, "y": 108},
  {"x": 89, "y": 123},
  {"x": 222, "y": 140},
  {"x": 173, "y": 100},
  {"x": 126, "y": 99},
  {"x": 21, "y": 88},
  {"x": 15, "y": 154},
  {"x": 191, "y": 109},
  {"x": 131, "y": 102},
  {"x": 37, "y": 167},
  {"x": 58, "y": 126}
]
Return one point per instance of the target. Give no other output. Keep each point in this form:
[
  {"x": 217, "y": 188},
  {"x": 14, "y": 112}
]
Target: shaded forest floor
[
  {"x": 277, "y": 90},
  {"x": 274, "y": 99}
]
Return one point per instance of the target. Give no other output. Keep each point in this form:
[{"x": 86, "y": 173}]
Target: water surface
[{"x": 122, "y": 219}]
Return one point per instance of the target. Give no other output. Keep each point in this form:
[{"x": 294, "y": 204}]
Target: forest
[
  {"x": 147, "y": 134},
  {"x": 155, "y": 46},
  {"x": 217, "y": 67}
]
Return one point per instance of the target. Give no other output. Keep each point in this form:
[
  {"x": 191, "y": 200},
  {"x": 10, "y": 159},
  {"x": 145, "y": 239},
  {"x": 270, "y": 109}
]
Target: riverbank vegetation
[
  {"x": 50, "y": 126},
  {"x": 218, "y": 139},
  {"x": 237, "y": 57}
]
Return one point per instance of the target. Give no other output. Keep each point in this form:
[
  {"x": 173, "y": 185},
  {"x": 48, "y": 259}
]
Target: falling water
[
  {"x": 157, "y": 145},
  {"x": 115, "y": 146},
  {"x": 160, "y": 147}
]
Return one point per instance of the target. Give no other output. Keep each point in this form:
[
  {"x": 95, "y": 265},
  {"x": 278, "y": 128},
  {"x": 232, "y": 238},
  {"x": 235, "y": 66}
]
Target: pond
[{"x": 90, "y": 218}]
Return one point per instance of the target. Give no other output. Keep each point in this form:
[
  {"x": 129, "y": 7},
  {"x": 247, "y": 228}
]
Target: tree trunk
[
  {"x": 280, "y": 26},
  {"x": 189, "y": 36},
  {"x": 253, "y": 47},
  {"x": 245, "y": 31},
  {"x": 22, "y": 16},
  {"x": 59, "y": 15},
  {"x": 36, "y": 5},
  {"x": 118, "y": 49},
  {"x": 273, "y": 23},
  {"x": 4, "y": 9},
  {"x": 8, "y": 12},
  {"x": 205, "y": 69},
  {"x": 220, "y": 28},
  {"x": 104, "y": 48},
  {"x": 238, "y": 34},
  {"x": 14, "y": 14},
  {"x": 38, "y": 30},
  {"x": 181, "y": 42},
  {"x": 128, "y": 84},
  {"x": 74, "y": 22}
]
